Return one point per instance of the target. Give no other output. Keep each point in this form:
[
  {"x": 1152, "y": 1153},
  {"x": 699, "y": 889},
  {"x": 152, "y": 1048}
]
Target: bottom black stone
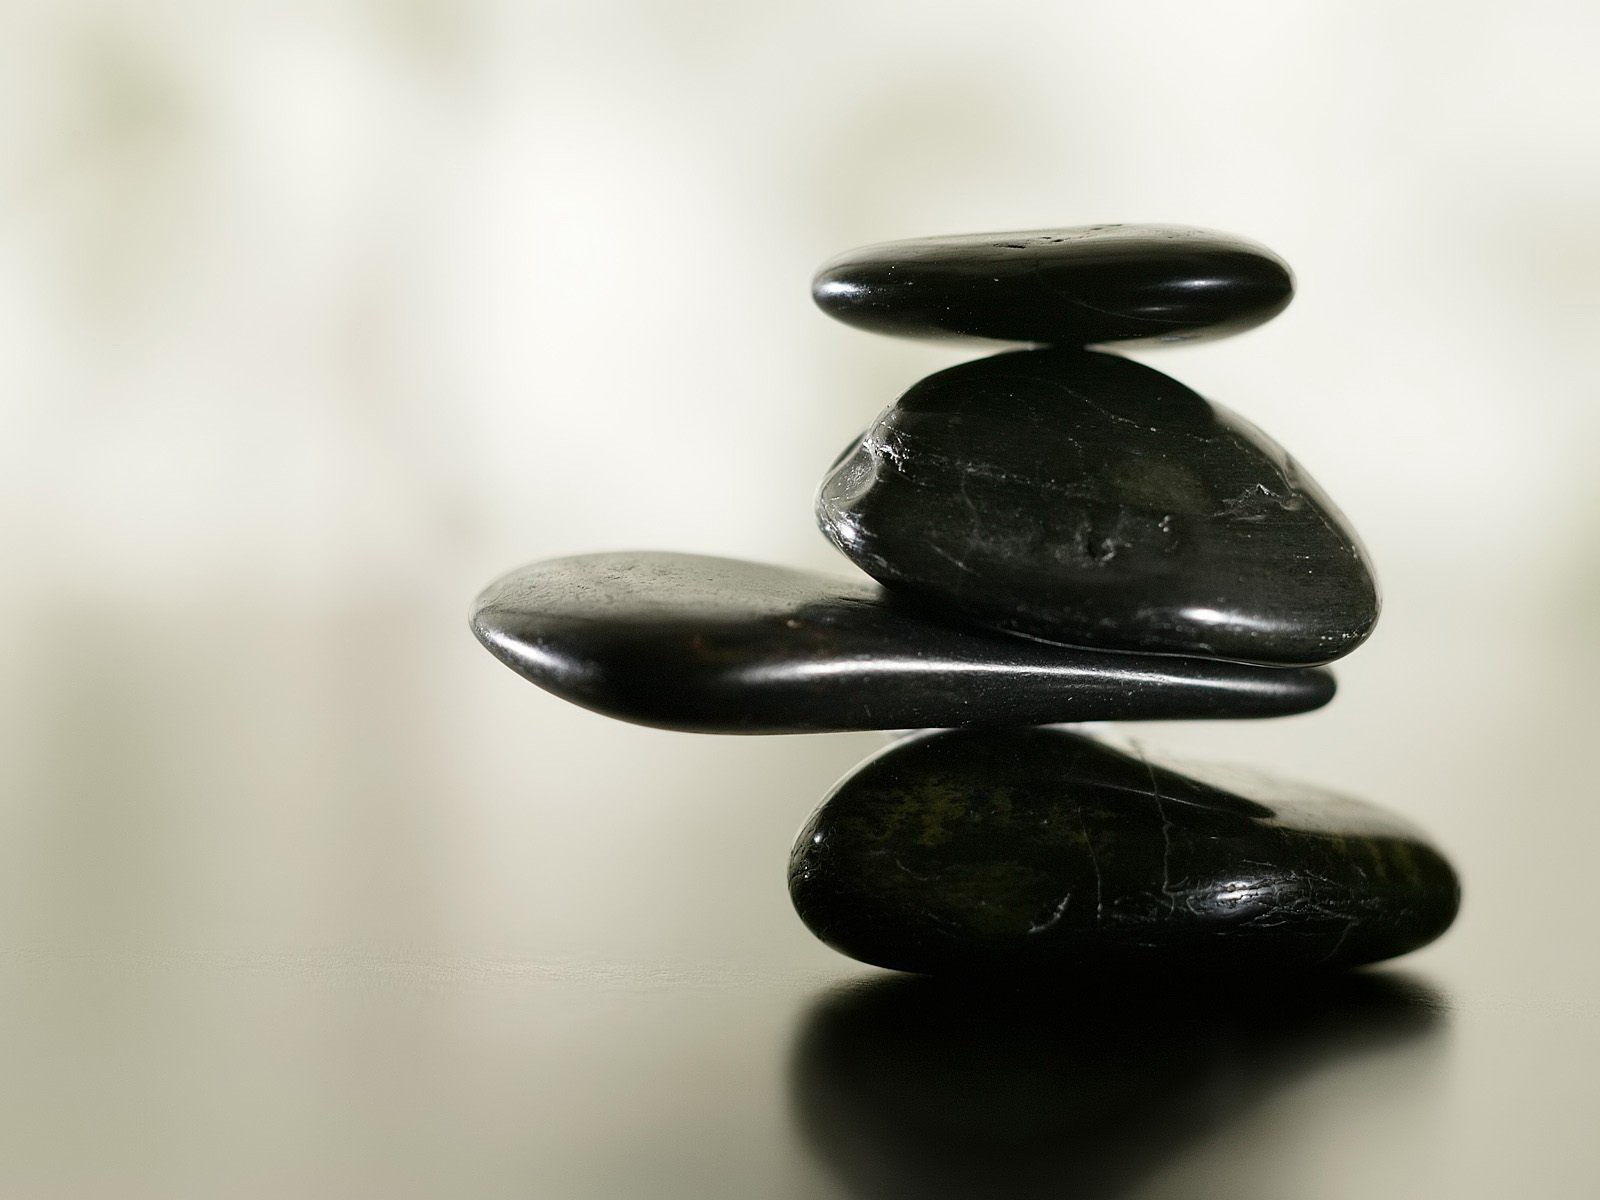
[{"x": 1046, "y": 851}]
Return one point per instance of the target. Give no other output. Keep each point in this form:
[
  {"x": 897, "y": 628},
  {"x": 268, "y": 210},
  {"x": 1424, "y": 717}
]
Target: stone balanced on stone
[{"x": 1057, "y": 535}]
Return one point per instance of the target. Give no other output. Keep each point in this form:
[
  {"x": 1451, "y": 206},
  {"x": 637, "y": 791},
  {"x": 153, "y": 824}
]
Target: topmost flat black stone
[{"x": 1081, "y": 286}]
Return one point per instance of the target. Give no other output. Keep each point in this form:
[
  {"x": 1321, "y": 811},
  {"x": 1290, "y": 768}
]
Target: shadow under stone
[{"x": 915, "y": 1087}]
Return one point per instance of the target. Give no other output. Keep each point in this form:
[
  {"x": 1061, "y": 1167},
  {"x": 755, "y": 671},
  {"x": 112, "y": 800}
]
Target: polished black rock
[
  {"x": 1085, "y": 499},
  {"x": 1047, "y": 851},
  {"x": 718, "y": 645},
  {"x": 1081, "y": 286}
]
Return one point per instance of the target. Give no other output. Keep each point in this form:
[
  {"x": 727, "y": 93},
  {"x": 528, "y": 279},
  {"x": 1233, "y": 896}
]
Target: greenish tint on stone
[{"x": 1044, "y": 850}]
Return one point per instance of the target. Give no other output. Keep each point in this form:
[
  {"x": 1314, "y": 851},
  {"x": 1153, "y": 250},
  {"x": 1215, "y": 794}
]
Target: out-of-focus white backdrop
[{"x": 314, "y": 317}]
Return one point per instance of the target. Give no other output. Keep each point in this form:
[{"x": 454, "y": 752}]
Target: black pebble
[
  {"x": 1075, "y": 287},
  {"x": 1043, "y": 851},
  {"x": 1084, "y": 499},
  {"x": 719, "y": 645}
]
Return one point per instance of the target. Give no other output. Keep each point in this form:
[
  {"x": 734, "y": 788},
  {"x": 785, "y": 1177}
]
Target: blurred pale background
[{"x": 314, "y": 317}]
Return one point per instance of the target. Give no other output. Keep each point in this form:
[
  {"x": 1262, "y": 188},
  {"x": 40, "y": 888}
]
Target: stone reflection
[{"x": 916, "y": 1087}]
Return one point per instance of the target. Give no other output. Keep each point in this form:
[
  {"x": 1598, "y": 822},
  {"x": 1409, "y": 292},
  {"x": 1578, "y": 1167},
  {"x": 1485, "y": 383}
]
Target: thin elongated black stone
[
  {"x": 1047, "y": 851},
  {"x": 718, "y": 645},
  {"x": 1078, "y": 286},
  {"x": 1085, "y": 499}
]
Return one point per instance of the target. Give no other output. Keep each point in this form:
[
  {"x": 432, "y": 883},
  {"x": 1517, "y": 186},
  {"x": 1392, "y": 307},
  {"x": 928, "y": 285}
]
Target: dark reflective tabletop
[{"x": 429, "y": 931}]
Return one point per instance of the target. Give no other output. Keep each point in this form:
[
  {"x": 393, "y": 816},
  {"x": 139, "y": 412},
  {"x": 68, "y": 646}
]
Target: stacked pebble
[{"x": 1058, "y": 535}]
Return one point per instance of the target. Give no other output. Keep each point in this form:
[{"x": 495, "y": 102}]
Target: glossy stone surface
[
  {"x": 1085, "y": 499},
  {"x": 717, "y": 645},
  {"x": 1047, "y": 851},
  {"x": 1080, "y": 286}
]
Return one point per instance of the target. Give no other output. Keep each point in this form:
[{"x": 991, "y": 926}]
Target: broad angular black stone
[
  {"x": 1085, "y": 499},
  {"x": 1047, "y": 851},
  {"x": 716, "y": 645},
  {"x": 1080, "y": 286}
]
